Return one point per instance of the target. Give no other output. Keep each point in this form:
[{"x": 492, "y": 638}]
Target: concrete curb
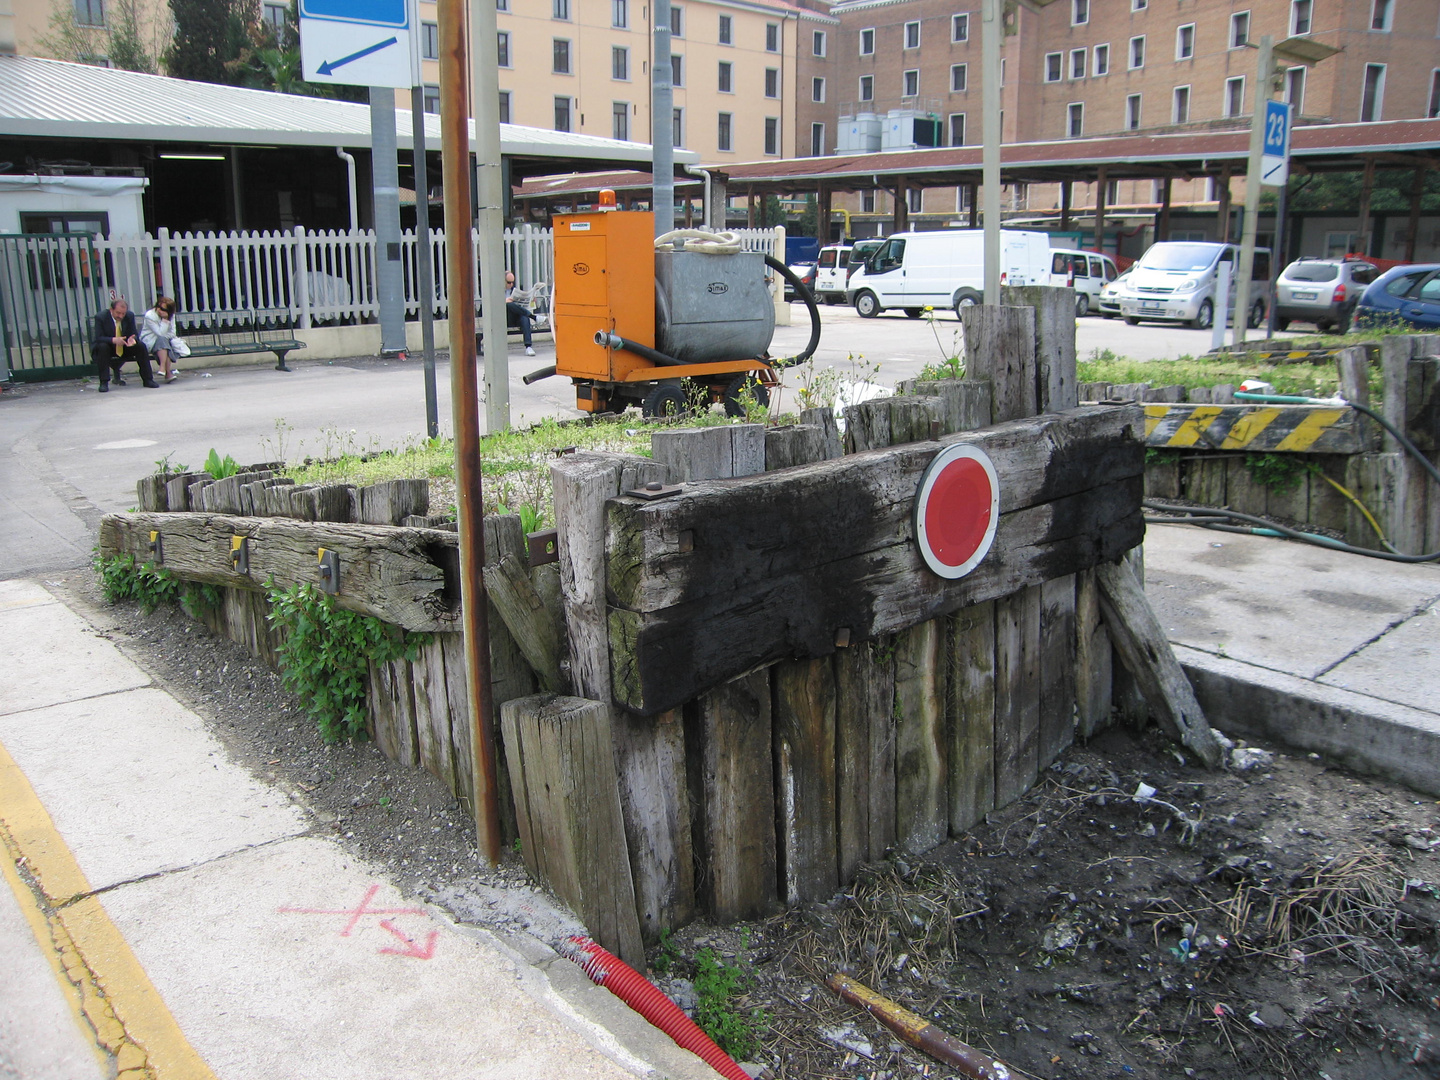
[{"x": 1360, "y": 732}]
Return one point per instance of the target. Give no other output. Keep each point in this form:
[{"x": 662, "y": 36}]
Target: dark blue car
[{"x": 1406, "y": 295}]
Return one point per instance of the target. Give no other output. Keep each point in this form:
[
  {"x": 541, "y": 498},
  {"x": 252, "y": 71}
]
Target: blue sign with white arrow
[
  {"x": 1275, "y": 154},
  {"x": 357, "y": 42}
]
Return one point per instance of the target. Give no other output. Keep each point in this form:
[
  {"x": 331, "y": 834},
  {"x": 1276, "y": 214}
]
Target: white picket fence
[{"x": 301, "y": 278}]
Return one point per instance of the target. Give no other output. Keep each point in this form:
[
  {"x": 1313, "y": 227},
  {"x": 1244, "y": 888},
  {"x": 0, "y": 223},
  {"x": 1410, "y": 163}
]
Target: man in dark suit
[{"x": 115, "y": 341}]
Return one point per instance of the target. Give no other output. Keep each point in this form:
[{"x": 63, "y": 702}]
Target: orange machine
[{"x": 605, "y": 325}]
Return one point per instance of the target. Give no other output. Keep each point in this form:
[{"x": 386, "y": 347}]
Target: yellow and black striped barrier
[
  {"x": 1296, "y": 429},
  {"x": 1279, "y": 356}
]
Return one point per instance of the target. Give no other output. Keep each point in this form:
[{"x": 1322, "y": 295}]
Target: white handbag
[{"x": 178, "y": 347}]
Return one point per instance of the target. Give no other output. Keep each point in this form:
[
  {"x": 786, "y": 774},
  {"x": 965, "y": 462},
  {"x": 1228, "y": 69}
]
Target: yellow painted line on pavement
[
  {"x": 1310, "y": 429},
  {"x": 110, "y": 993}
]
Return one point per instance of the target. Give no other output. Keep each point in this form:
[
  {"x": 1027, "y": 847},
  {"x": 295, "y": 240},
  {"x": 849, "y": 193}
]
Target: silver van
[
  {"x": 1087, "y": 272},
  {"x": 1174, "y": 281}
]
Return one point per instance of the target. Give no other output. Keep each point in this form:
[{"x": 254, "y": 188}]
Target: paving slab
[
  {"x": 1403, "y": 666},
  {"x": 299, "y": 960},
  {"x": 61, "y": 656},
  {"x": 136, "y": 784},
  {"x": 19, "y": 593},
  {"x": 1286, "y": 606}
]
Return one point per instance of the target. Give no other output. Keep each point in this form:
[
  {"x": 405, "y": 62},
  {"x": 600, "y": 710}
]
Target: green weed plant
[
  {"x": 717, "y": 986},
  {"x": 122, "y": 579}
]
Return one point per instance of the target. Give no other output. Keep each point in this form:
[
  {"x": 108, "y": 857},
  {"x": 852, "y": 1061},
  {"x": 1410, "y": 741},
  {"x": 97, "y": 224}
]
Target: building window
[
  {"x": 620, "y": 120},
  {"x": 962, "y": 198},
  {"x": 560, "y": 61},
  {"x": 1137, "y": 52},
  {"x": 1054, "y": 66},
  {"x": 817, "y": 140},
  {"x": 1434, "y": 109},
  {"x": 772, "y": 135},
  {"x": 959, "y": 27},
  {"x": 1185, "y": 42},
  {"x": 1180, "y": 111},
  {"x": 429, "y": 41},
  {"x": 1132, "y": 113},
  {"x": 562, "y": 114},
  {"x": 914, "y": 200},
  {"x": 1079, "y": 12},
  {"x": 1077, "y": 63},
  {"x": 89, "y": 12},
  {"x": 677, "y": 126},
  {"x": 502, "y": 48},
  {"x": 959, "y": 78},
  {"x": 727, "y": 30},
  {"x": 1075, "y": 120},
  {"x": 817, "y": 43},
  {"x": 620, "y": 15},
  {"x": 274, "y": 17},
  {"x": 1372, "y": 100},
  {"x": 620, "y": 63},
  {"x": 1380, "y": 14},
  {"x": 1295, "y": 89},
  {"x": 772, "y": 37},
  {"x": 911, "y": 83},
  {"x": 1300, "y": 12},
  {"x": 1139, "y": 5},
  {"x": 817, "y": 89},
  {"x": 1112, "y": 192},
  {"x": 677, "y": 69},
  {"x": 726, "y": 77},
  {"x": 867, "y": 42},
  {"x": 867, "y": 87},
  {"x": 560, "y": 9},
  {"x": 1101, "y": 66},
  {"x": 912, "y": 35},
  {"x": 677, "y": 21},
  {"x": 1239, "y": 30},
  {"x": 957, "y": 129},
  {"x": 430, "y": 100},
  {"x": 867, "y": 202},
  {"x": 772, "y": 82},
  {"x": 504, "y": 105},
  {"x": 722, "y": 136},
  {"x": 1235, "y": 96},
  {"x": 502, "y": 5}
]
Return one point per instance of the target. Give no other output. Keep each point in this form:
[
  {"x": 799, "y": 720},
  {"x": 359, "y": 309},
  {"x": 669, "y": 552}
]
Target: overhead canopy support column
[
  {"x": 1367, "y": 189},
  {"x": 974, "y": 205},
  {"x": 901, "y": 217},
  {"x": 1101, "y": 183},
  {"x": 1065, "y": 194},
  {"x": 1162, "y": 227},
  {"x": 822, "y": 215},
  {"x": 750, "y": 206},
  {"x": 1417, "y": 189},
  {"x": 1224, "y": 208}
]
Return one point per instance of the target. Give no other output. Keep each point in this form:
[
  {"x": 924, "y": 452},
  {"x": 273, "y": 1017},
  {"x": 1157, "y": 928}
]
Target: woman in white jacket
[{"x": 157, "y": 333}]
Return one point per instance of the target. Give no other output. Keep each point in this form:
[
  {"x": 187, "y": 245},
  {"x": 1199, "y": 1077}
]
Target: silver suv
[{"x": 1322, "y": 291}]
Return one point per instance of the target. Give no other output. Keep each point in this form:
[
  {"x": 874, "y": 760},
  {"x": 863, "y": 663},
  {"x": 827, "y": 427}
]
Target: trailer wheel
[
  {"x": 744, "y": 385},
  {"x": 667, "y": 399},
  {"x": 867, "y": 306}
]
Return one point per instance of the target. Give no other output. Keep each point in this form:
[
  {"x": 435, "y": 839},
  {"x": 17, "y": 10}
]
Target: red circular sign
[{"x": 957, "y": 510}]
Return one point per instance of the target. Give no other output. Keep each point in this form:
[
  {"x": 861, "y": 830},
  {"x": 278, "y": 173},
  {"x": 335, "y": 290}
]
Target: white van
[
  {"x": 945, "y": 268},
  {"x": 1174, "y": 281},
  {"x": 1087, "y": 272},
  {"x": 836, "y": 263}
]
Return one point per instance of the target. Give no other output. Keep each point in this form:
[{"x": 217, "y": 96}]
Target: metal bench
[{"x": 265, "y": 330}]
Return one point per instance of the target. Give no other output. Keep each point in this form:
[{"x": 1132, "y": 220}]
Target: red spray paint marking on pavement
[
  {"x": 355, "y": 913},
  {"x": 410, "y": 949}
]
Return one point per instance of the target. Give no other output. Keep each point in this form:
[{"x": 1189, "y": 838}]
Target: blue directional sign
[
  {"x": 357, "y": 42},
  {"x": 1275, "y": 155}
]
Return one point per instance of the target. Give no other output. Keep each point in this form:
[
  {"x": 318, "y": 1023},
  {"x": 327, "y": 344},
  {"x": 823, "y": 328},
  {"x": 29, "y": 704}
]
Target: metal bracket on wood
[
  {"x": 157, "y": 548},
  {"x": 563, "y": 450},
  {"x": 240, "y": 554},
  {"x": 329, "y": 562},
  {"x": 544, "y": 547},
  {"x": 656, "y": 490}
]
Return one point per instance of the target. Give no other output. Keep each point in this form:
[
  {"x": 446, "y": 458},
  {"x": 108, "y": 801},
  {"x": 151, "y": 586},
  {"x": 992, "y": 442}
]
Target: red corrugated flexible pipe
[{"x": 644, "y": 997}]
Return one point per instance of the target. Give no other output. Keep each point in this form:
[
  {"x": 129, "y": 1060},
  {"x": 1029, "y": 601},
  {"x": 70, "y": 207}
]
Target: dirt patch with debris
[{"x": 1132, "y": 917}]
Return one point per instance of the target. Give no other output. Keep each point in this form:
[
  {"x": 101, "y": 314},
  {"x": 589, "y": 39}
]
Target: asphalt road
[{"x": 69, "y": 454}]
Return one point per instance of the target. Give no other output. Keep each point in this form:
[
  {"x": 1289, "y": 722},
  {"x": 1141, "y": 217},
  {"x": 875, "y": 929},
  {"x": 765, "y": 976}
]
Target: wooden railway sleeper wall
[{"x": 785, "y": 691}]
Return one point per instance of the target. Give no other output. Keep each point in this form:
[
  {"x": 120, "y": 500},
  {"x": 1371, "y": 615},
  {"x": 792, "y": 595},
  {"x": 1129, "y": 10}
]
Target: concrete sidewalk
[
  {"x": 1312, "y": 648},
  {"x": 168, "y": 911}
]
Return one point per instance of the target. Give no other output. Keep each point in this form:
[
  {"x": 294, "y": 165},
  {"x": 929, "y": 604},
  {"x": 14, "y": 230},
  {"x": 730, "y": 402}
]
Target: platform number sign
[
  {"x": 1275, "y": 156},
  {"x": 957, "y": 510},
  {"x": 357, "y": 42}
]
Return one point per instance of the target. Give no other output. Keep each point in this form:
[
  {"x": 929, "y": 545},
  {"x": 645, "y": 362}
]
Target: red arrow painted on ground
[{"x": 410, "y": 949}]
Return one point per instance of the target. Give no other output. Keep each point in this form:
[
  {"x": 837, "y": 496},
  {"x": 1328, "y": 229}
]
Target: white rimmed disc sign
[{"x": 957, "y": 509}]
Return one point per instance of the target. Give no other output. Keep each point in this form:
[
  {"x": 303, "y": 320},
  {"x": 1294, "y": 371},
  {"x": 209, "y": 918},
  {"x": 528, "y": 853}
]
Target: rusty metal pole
[{"x": 465, "y": 395}]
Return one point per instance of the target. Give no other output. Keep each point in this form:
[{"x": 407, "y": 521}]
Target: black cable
[
  {"x": 1207, "y": 514},
  {"x": 1400, "y": 437},
  {"x": 803, "y": 291}
]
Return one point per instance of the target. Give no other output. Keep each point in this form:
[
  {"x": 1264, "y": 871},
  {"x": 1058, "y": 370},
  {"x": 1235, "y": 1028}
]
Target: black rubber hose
[
  {"x": 1400, "y": 437},
  {"x": 538, "y": 374},
  {"x": 803, "y": 291},
  {"x": 604, "y": 337},
  {"x": 1207, "y": 516}
]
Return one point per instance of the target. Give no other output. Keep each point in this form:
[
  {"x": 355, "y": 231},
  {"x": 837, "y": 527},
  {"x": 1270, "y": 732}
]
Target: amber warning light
[{"x": 607, "y": 199}]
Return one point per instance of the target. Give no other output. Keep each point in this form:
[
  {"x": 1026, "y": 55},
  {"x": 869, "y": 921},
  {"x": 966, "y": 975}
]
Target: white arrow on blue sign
[
  {"x": 1275, "y": 156},
  {"x": 356, "y": 42}
]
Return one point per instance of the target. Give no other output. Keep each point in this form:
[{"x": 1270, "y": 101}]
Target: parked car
[
  {"x": 806, "y": 273},
  {"x": 1174, "y": 281},
  {"x": 1110, "y": 295},
  {"x": 1322, "y": 291},
  {"x": 1406, "y": 294},
  {"x": 835, "y": 266},
  {"x": 944, "y": 268},
  {"x": 1084, "y": 271}
]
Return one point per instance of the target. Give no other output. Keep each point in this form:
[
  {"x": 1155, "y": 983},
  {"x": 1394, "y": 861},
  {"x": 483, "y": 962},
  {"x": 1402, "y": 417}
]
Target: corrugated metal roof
[{"x": 56, "y": 99}]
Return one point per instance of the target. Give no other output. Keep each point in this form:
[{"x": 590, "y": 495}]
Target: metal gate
[{"x": 50, "y": 292}]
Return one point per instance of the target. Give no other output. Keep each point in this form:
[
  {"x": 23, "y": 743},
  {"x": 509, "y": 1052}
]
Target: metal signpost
[
  {"x": 1275, "y": 172},
  {"x": 1252, "y": 191}
]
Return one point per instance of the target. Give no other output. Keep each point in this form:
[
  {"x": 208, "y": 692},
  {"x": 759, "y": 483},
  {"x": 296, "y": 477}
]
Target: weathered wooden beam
[
  {"x": 795, "y": 444},
  {"x": 712, "y": 582},
  {"x": 805, "y": 795},
  {"x": 825, "y": 420},
  {"x": 655, "y": 804},
  {"x": 922, "y": 811},
  {"x": 402, "y": 576},
  {"x": 1093, "y": 667},
  {"x": 1056, "y": 384},
  {"x": 971, "y": 708},
  {"x": 533, "y": 625},
  {"x": 391, "y": 501},
  {"x": 1297, "y": 429},
  {"x": 567, "y": 799},
  {"x": 1000, "y": 347},
  {"x": 1057, "y": 668},
  {"x": 710, "y": 453},
  {"x": 964, "y": 403},
  {"x": 865, "y": 753},
  {"x": 1142, "y": 644},
  {"x": 1017, "y": 693}
]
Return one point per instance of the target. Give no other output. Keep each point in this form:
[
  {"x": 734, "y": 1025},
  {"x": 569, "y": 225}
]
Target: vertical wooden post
[
  {"x": 1094, "y": 668},
  {"x": 1409, "y": 389},
  {"x": 971, "y": 704},
  {"x": 1057, "y": 667},
  {"x": 865, "y": 753},
  {"x": 1017, "y": 693},
  {"x": 655, "y": 803},
  {"x": 1000, "y": 346},
  {"x": 1056, "y": 383},
  {"x": 921, "y": 775},
  {"x": 805, "y": 810}
]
